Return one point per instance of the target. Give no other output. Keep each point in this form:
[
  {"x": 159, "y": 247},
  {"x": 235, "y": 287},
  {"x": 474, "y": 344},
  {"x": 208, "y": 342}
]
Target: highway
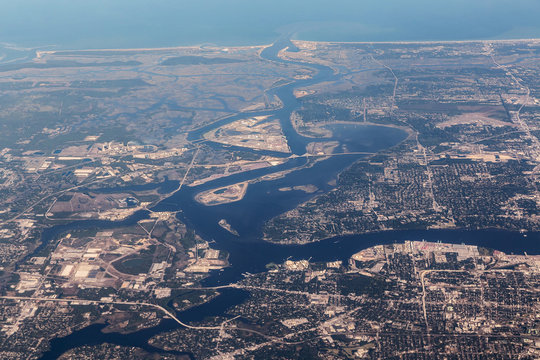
[{"x": 76, "y": 302}]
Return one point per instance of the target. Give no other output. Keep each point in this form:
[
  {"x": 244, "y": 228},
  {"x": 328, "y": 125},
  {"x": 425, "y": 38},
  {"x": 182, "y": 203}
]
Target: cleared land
[
  {"x": 223, "y": 195},
  {"x": 259, "y": 133}
]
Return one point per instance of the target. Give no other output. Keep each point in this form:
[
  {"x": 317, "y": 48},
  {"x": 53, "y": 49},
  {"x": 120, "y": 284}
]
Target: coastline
[
  {"x": 420, "y": 42},
  {"x": 40, "y": 53}
]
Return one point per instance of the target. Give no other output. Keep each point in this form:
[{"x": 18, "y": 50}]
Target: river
[{"x": 264, "y": 200}]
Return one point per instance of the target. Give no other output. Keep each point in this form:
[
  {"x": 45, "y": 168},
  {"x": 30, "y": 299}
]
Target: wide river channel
[{"x": 264, "y": 200}]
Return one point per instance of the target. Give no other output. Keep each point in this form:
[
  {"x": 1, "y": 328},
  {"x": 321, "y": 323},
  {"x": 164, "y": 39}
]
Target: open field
[{"x": 223, "y": 195}]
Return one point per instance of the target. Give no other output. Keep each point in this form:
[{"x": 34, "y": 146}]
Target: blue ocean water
[{"x": 79, "y": 24}]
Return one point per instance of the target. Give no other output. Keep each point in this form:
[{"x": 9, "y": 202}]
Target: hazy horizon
[{"x": 125, "y": 24}]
